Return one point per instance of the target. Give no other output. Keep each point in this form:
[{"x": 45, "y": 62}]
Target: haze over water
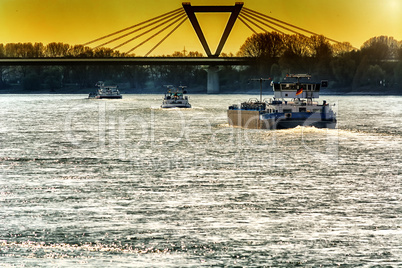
[{"x": 100, "y": 183}]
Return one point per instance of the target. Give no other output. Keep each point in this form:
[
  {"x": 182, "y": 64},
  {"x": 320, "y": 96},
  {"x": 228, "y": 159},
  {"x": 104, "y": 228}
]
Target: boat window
[
  {"x": 302, "y": 109},
  {"x": 287, "y": 110}
]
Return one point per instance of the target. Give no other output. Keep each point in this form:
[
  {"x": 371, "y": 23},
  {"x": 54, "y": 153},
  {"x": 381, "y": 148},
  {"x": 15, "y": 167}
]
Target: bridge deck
[{"x": 130, "y": 61}]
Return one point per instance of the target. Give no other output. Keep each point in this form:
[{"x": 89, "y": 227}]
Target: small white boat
[
  {"x": 174, "y": 98},
  {"x": 105, "y": 92}
]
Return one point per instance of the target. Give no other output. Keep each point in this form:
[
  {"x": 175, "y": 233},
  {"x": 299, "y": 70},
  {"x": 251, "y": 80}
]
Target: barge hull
[
  {"x": 285, "y": 123},
  {"x": 251, "y": 119},
  {"x": 175, "y": 106},
  {"x": 248, "y": 119},
  {"x": 109, "y": 97}
]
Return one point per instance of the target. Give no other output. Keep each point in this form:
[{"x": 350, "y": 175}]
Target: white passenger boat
[
  {"x": 293, "y": 105},
  {"x": 174, "y": 98},
  {"x": 105, "y": 92}
]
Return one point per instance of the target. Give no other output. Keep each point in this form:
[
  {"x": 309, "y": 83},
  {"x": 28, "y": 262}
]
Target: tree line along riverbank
[{"x": 375, "y": 68}]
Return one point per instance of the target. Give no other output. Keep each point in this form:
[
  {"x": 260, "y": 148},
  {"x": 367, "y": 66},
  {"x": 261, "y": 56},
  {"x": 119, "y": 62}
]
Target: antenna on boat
[{"x": 261, "y": 80}]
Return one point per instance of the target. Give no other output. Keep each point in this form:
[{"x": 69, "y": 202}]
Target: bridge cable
[
  {"x": 163, "y": 39},
  {"x": 150, "y": 30},
  {"x": 291, "y": 25},
  {"x": 128, "y": 28},
  {"x": 248, "y": 26},
  {"x": 252, "y": 22},
  {"x": 157, "y": 33},
  {"x": 256, "y": 18},
  {"x": 280, "y": 21},
  {"x": 249, "y": 17},
  {"x": 139, "y": 29}
]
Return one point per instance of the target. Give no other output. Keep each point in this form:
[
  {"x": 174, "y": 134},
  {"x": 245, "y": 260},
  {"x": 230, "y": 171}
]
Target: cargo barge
[
  {"x": 293, "y": 105},
  {"x": 105, "y": 92},
  {"x": 174, "y": 98}
]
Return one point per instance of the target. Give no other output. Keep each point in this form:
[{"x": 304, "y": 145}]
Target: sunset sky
[{"x": 79, "y": 21}]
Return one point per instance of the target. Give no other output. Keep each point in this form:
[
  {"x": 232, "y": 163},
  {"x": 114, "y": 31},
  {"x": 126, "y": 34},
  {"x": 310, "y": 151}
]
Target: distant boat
[
  {"x": 291, "y": 106},
  {"x": 105, "y": 92},
  {"x": 174, "y": 98}
]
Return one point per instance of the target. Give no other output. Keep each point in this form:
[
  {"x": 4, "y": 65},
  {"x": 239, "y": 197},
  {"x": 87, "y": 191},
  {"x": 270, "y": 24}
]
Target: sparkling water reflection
[{"x": 125, "y": 183}]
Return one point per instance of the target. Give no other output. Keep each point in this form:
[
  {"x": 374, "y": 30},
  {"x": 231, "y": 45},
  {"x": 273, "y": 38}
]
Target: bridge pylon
[
  {"x": 213, "y": 77},
  {"x": 191, "y": 10}
]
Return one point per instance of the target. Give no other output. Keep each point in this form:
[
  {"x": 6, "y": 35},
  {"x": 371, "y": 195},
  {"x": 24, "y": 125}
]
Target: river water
[{"x": 123, "y": 183}]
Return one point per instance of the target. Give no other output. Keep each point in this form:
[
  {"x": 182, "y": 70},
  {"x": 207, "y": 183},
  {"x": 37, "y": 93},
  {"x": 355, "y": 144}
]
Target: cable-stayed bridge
[
  {"x": 161, "y": 27},
  {"x": 153, "y": 32}
]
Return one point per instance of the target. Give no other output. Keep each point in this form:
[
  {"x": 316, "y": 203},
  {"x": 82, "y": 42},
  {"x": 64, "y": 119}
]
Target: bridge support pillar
[{"x": 213, "y": 79}]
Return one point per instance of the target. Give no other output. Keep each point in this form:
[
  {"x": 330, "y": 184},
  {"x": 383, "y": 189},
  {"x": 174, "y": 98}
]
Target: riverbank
[{"x": 202, "y": 90}]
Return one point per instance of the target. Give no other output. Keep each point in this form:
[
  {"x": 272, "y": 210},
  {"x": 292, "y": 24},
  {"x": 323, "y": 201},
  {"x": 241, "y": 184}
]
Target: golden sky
[{"x": 79, "y": 21}]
